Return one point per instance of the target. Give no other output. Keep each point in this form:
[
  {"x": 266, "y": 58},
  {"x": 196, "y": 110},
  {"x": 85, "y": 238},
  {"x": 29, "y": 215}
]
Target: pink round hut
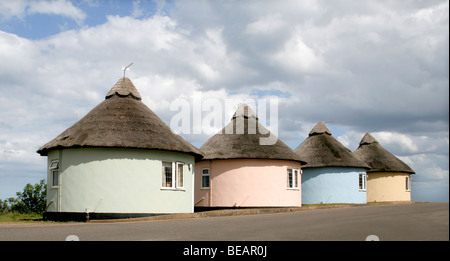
[{"x": 239, "y": 170}]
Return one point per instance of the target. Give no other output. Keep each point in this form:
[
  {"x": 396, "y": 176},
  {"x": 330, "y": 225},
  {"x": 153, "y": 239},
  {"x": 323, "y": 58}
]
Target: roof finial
[
  {"x": 320, "y": 128},
  {"x": 126, "y": 69}
]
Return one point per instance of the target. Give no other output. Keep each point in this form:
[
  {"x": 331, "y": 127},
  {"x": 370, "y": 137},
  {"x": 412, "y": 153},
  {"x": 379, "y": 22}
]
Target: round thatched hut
[
  {"x": 332, "y": 173},
  {"x": 120, "y": 160},
  {"x": 241, "y": 168},
  {"x": 389, "y": 178}
]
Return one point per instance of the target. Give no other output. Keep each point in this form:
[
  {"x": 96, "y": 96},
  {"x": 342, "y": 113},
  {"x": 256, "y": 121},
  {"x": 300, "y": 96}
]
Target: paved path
[{"x": 422, "y": 221}]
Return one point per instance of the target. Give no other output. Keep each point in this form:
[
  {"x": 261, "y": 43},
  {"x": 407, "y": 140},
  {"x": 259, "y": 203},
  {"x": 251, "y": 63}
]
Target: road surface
[{"x": 398, "y": 222}]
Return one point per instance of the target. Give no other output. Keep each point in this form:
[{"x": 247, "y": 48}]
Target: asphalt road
[{"x": 421, "y": 221}]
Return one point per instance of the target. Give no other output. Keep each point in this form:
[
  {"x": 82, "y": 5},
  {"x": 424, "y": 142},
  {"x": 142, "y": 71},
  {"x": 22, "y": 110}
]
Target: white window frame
[
  {"x": 176, "y": 184},
  {"x": 408, "y": 183},
  {"x": 54, "y": 169},
  {"x": 363, "y": 186},
  {"x": 179, "y": 180},
  {"x": 294, "y": 173},
  {"x": 206, "y": 175},
  {"x": 163, "y": 176}
]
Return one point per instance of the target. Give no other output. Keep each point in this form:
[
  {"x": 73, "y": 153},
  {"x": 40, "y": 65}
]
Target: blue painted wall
[{"x": 332, "y": 185}]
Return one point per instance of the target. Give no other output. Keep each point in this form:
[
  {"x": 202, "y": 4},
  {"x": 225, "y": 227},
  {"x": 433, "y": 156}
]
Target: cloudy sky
[{"x": 377, "y": 66}]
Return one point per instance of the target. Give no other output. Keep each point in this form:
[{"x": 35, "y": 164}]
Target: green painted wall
[
  {"x": 117, "y": 180},
  {"x": 52, "y": 193}
]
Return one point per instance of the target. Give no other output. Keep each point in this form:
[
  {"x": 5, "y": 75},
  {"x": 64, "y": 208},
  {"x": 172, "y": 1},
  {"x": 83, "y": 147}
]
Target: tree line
[{"x": 31, "y": 200}]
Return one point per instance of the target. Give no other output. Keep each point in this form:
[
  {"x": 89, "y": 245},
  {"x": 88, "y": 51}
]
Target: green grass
[{"x": 10, "y": 217}]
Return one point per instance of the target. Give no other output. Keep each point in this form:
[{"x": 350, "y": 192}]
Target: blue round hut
[{"x": 332, "y": 173}]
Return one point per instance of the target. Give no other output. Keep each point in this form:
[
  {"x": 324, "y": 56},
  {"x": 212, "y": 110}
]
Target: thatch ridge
[
  {"x": 320, "y": 128},
  {"x": 244, "y": 111},
  {"x": 378, "y": 158},
  {"x": 241, "y": 139},
  {"x": 121, "y": 121},
  {"x": 123, "y": 88},
  {"x": 320, "y": 149}
]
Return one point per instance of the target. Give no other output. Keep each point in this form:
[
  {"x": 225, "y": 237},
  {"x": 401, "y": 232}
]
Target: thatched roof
[
  {"x": 121, "y": 121},
  {"x": 378, "y": 158},
  {"x": 244, "y": 138},
  {"x": 123, "y": 88},
  {"x": 320, "y": 149},
  {"x": 320, "y": 128}
]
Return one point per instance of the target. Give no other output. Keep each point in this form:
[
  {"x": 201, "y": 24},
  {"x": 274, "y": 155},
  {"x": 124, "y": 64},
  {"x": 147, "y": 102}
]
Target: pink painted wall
[{"x": 247, "y": 183}]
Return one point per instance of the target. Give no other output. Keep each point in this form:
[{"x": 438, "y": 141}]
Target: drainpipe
[
  {"x": 46, "y": 209},
  {"x": 192, "y": 170},
  {"x": 60, "y": 179},
  {"x": 210, "y": 183},
  {"x": 196, "y": 203},
  {"x": 59, "y": 191}
]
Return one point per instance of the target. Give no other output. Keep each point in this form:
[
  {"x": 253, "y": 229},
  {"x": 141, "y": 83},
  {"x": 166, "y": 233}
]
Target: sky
[{"x": 360, "y": 66}]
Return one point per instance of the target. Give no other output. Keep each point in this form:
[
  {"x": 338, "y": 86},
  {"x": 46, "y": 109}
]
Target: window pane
[
  {"x": 289, "y": 178},
  {"x": 296, "y": 178},
  {"x": 205, "y": 178},
  {"x": 205, "y": 181},
  {"x": 180, "y": 175},
  {"x": 362, "y": 181},
  {"x": 54, "y": 165},
  {"x": 55, "y": 178},
  {"x": 167, "y": 174}
]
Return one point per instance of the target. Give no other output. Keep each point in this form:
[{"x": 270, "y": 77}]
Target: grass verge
[{"x": 10, "y": 217}]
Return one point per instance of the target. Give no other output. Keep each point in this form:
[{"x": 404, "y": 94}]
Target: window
[
  {"x": 292, "y": 178},
  {"x": 205, "y": 178},
  {"x": 54, "y": 168},
  {"x": 172, "y": 175},
  {"x": 180, "y": 175},
  {"x": 408, "y": 184},
  {"x": 362, "y": 181},
  {"x": 167, "y": 174}
]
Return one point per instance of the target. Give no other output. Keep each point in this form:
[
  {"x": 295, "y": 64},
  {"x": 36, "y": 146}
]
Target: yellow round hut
[{"x": 389, "y": 178}]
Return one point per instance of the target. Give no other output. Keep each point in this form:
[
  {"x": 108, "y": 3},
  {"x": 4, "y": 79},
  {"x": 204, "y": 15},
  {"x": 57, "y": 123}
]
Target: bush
[
  {"x": 3, "y": 206},
  {"x": 31, "y": 200}
]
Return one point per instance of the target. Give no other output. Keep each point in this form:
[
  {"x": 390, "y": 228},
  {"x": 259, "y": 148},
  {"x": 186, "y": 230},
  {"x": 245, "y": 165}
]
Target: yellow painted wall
[{"x": 387, "y": 186}]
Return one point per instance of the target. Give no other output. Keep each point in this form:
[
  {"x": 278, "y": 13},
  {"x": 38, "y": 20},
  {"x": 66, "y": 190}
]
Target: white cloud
[
  {"x": 428, "y": 167},
  {"x": 16, "y": 54},
  {"x": 350, "y": 139},
  {"x": 438, "y": 174},
  {"x": 57, "y": 7},
  {"x": 401, "y": 140},
  {"x": 137, "y": 11},
  {"x": 297, "y": 57},
  {"x": 158, "y": 91},
  {"x": 265, "y": 25},
  {"x": 20, "y": 8},
  {"x": 10, "y": 9}
]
